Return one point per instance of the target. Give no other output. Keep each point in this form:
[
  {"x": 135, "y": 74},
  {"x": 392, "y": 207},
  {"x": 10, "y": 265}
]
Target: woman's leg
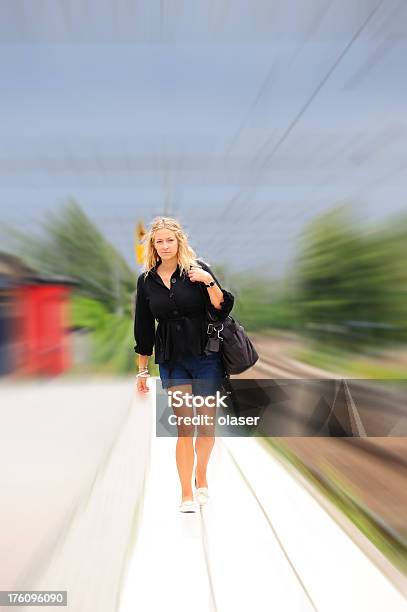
[
  {"x": 208, "y": 374},
  {"x": 204, "y": 444},
  {"x": 184, "y": 452}
]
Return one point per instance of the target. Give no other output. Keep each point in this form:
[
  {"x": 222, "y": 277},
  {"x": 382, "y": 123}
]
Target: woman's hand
[
  {"x": 197, "y": 274},
  {"x": 142, "y": 384}
]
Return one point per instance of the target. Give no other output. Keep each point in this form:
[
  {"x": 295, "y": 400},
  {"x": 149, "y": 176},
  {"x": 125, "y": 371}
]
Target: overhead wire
[{"x": 302, "y": 110}]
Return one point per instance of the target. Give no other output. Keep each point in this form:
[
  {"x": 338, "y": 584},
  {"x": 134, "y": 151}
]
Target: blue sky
[{"x": 136, "y": 109}]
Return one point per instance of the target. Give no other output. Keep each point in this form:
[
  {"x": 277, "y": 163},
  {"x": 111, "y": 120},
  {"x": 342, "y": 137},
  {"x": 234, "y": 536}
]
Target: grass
[{"x": 348, "y": 363}]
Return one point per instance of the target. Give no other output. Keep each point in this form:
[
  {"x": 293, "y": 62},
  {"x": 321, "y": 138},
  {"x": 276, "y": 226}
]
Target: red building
[{"x": 34, "y": 320}]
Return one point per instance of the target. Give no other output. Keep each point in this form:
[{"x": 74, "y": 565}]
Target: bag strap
[{"x": 211, "y": 327}]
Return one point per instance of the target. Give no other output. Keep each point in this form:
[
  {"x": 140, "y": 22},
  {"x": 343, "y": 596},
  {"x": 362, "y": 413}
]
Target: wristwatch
[{"x": 211, "y": 284}]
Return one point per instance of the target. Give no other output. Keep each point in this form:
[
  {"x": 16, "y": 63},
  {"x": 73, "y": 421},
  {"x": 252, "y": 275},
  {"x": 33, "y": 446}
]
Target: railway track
[{"x": 375, "y": 466}]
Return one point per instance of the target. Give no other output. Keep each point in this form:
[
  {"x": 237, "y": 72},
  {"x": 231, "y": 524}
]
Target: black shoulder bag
[{"x": 229, "y": 338}]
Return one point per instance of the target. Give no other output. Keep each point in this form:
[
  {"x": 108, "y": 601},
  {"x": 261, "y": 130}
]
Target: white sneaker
[
  {"x": 188, "y": 506},
  {"x": 202, "y": 495}
]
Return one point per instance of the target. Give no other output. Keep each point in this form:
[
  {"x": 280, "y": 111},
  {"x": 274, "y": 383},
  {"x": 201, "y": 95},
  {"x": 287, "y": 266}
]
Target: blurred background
[{"x": 275, "y": 132}]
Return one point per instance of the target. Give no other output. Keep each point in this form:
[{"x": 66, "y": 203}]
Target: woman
[{"x": 178, "y": 290}]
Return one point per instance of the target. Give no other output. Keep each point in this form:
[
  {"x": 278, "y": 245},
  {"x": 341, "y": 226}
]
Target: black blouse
[{"x": 180, "y": 312}]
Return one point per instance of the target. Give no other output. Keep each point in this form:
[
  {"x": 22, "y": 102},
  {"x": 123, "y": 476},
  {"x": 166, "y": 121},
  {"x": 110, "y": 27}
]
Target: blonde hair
[{"x": 186, "y": 255}]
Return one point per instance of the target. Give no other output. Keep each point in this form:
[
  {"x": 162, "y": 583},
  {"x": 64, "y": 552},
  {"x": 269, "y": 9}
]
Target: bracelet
[{"x": 143, "y": 373}]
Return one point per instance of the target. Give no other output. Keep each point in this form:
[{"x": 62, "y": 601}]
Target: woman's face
[{"x": 166, "y": 243}]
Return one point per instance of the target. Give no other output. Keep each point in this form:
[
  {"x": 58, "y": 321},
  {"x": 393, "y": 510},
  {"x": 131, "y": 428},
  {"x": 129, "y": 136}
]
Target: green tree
[{"x": 347, "y": 281}]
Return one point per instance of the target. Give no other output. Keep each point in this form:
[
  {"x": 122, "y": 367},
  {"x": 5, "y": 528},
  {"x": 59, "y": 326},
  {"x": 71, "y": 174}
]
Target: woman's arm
[
  {"x": 220, "y": 301},
  {"x": 144, "y": 325},
  {"x": 143, "y": 362},
  {"x": 215, "y": 292}
]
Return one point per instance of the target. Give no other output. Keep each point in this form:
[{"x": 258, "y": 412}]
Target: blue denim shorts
[{"x": 204, "y": 372}]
